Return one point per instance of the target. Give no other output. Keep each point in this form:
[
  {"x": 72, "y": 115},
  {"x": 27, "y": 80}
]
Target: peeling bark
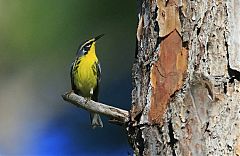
[{"x": 186, "y": 74}]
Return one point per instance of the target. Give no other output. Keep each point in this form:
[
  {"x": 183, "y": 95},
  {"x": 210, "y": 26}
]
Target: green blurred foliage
[{"x": 46, "y": 33}]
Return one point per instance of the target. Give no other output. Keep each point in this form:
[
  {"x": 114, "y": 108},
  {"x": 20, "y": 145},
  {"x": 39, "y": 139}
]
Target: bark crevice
[
  {"x": 172, "y": 141},
  {"x": 233, "y": 74}
]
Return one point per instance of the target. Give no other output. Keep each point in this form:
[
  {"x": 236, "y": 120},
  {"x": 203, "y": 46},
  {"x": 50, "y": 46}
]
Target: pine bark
[{"x": 185, "y": 98}]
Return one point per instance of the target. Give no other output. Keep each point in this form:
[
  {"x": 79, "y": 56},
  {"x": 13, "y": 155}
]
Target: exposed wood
[{"x": 186, "y": 95}]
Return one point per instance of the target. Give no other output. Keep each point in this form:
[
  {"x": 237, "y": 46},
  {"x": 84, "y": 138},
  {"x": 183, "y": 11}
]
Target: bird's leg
[
  {"x": 89, "y": 98},
  {"x": 91, "y": 92}
]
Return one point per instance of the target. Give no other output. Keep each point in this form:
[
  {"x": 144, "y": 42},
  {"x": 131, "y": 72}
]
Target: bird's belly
[{"x": 87, "y": 81}]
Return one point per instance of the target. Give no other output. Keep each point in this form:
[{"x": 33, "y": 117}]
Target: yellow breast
[{"x": 85, "y": 77}]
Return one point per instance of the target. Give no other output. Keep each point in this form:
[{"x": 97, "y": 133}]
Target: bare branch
[{"x": 116, "y": 114}]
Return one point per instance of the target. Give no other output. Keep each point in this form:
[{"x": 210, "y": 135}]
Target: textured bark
[{"x": 186, "y": 98}]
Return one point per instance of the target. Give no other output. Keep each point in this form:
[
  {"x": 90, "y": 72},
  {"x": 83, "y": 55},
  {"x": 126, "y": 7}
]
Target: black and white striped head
[{"x": 88, "y": 46}]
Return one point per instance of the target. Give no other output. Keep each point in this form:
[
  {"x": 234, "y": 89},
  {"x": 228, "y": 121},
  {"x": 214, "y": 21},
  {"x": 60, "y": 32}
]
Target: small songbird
[{"x": 86, "y": 75}]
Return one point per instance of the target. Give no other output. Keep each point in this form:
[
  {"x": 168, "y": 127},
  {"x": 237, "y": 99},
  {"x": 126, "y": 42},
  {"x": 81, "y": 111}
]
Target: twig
[{"x": 116, "y": 114}]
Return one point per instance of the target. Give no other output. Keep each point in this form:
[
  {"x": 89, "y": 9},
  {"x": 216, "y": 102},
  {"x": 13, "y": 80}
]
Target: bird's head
[{"x": 88, "y": 46}]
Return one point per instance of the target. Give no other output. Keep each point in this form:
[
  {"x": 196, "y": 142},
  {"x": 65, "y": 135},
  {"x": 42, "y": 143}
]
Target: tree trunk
[{"x": 185, "y": 99}]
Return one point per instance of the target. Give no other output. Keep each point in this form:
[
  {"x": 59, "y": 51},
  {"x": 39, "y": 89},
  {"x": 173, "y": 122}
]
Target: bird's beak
[{"x": 99, "y": 36}]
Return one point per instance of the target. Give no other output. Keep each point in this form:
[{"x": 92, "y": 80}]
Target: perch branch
[{"x": 115, "y": 114}]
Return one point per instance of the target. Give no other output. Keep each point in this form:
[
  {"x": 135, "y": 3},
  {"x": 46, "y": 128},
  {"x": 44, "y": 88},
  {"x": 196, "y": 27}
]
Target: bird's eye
[{"x": 86, "y": 48}]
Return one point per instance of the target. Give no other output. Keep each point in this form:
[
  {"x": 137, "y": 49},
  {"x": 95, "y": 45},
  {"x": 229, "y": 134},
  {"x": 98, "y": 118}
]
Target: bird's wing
[
  {"x": 97, "y": 69},
  {"x": 72, "y": 78}
]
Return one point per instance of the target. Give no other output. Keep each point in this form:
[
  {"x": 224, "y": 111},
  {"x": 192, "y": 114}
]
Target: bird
[{"x": 86, "y": 75}]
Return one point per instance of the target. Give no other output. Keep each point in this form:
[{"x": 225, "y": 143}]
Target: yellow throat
[{"x": 85, "y": 75}]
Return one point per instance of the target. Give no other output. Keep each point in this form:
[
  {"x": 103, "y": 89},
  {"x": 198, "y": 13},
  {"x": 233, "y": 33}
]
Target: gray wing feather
[
  {"x": 98, "y": 72},
  {"x": 72, "y": 78}
]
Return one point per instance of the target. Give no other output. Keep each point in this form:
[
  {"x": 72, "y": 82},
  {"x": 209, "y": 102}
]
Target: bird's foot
[
  {"x": 71, "y": 91},
  {"x": 87, "y": 99}
]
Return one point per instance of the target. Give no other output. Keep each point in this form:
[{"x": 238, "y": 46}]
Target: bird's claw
[{"x": 87, "y": 99}]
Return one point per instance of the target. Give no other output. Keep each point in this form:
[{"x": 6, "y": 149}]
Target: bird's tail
[{"x": 96, "y": 120}]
